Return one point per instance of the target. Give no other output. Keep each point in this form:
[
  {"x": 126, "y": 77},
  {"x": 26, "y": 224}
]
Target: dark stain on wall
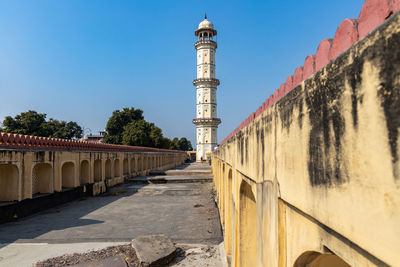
[
  {"x": 301, "y": 115},
  {"x": 323, "y": 100},
  {"x": 240, "y": 144},
  {"x": 389, "y": 92},
  {"x": 40, "y": 156},
  {"x": 293, "y": 100},
  {"x": 285, "y": 109},
  {"x": 262, "y": 151},
  {"x": 353, "y": 75}
]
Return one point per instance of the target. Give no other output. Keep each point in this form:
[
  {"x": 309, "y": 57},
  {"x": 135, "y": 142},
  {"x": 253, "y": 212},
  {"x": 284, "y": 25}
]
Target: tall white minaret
[{"x": 206, "y": 90}]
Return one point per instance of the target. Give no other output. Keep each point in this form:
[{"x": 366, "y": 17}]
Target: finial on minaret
[{"x": 205, "y": 15}]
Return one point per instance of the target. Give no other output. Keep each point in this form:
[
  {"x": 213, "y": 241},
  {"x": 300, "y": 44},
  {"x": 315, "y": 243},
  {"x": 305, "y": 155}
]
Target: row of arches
[
  {"x": 237, "y": 203},
  {"x": 46, "y": 177}
]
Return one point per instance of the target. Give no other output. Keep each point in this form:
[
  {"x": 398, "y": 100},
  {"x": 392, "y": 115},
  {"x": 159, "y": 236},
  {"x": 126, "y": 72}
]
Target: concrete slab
[{"x": 154, "y": 250}]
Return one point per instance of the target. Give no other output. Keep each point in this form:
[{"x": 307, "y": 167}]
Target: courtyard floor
[{"x": 183, "y": 210}]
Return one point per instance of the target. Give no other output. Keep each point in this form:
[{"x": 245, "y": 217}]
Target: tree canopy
[
  {"x": 34, "y": 123},
  {"x": 117, "y": 122},
  {"x": 128, "y": 127}
]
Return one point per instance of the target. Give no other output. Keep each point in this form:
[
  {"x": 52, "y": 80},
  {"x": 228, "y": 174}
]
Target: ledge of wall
[
  {"x": 19, "y": 141},
  {"x": 373, "y": 13}
]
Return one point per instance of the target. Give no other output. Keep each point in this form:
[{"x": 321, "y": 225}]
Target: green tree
[
  {"x": 128, "y": 127},
  {"x": 34, "y": 123},
  {"x": 29, "y": 123},
  {"x": 117, "y": 122},
  {"x": 174, "y": 144},
  {"x": 156, "y": 136},
  {"x": 185, "y": 144},
  {"x": 137, "y": 133},
  {"x": 63, "y": 129},
  {"x": 165, "y": 143}
]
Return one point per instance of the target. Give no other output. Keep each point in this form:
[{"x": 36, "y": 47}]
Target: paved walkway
[{"x": 184, "y": 211}]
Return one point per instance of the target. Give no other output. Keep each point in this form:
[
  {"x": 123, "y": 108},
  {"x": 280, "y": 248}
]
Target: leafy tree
[
  {"x": 29, "y": 123},
  {"x": 174, "y": 144},
  {"x": 117, "y": 122},
  {"x": 63, "y": 129},
  {"x": 156, "y": 136},
  {"x": 128, "y": 127},
  {"x": 185, "y": 144},
  {"x": 165, "y": 143},
  {"x": 137, "y": 133},
  {"x": 34, "y": 123}
]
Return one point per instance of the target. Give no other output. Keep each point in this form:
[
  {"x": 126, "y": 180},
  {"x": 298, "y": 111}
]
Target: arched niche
[
  {"x": 68, "y": 175},
  {"x": 42, "y": 177},
  {"x": 108, "y": 169},
  {"x": 247, "y": 226},
  {"x": 84, "y": 177},
  {"x": 97, "y": 170},
  {"x": 117, "y": 171},
  {"x": 317, "y": 259},
  {"x": 9, "y": 177}
]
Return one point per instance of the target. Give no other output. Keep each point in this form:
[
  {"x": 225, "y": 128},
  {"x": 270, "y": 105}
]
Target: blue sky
[{"x": 81, "y": 59}]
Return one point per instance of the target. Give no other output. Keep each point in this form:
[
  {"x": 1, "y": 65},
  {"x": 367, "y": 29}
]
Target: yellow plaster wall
[
  {"x": 20, "y": 164},
  {"x": 322, "y": 163}
]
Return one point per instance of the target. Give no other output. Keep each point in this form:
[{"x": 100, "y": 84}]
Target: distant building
[{"x": 95, "y": 138}]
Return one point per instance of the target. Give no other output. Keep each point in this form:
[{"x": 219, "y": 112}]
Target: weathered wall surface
[{"x": 316, "y": 175}]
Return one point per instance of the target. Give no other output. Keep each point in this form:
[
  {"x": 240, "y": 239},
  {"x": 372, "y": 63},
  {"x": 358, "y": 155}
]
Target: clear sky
[{"x": 81, "y": 59}]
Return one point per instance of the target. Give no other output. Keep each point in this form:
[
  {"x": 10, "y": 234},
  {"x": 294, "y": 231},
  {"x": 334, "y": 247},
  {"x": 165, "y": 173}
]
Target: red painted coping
[
  {"x": 323, "y": 55},
  {"x": 346, "y": 35},
  {"x": 298, "y": 76},
  {"x": 395, "y": 5},
  {"x": 288, "y": 84},
  {"x": 15, "y": 141},
  {"x": 281, "y": 90},
  {"x": 309, "y": 66},
  {"x": 373, "y": 13}
]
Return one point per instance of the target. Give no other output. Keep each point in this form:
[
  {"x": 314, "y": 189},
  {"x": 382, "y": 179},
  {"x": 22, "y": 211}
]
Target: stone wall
[
  {"x": 31, "y": 166},
  {"x": 313, "y": 176}
]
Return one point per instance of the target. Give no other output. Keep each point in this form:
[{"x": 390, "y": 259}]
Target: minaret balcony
[
  {"x": 207, "y": 121},
  {"x": 201, "y": 42},
  {"x": 211, "y": 81}
]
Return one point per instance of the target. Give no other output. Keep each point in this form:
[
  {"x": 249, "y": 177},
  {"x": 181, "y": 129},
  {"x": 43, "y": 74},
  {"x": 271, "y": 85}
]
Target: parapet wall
[
  {"x": 31, "y": 166},
  {"x": 314, "y": 178}
]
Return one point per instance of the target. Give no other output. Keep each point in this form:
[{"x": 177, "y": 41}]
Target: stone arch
[
  {"x": 139, "y": 166},
  {"x": 97, "y": 170},
  {"x": 9, "y": 180},
  {"x": 84, "y": 177},
  {"x": 228, "y": 214},
  {"x": 125, "y": 167},
  {"x": 146, "y": 163},
  {"x": 117, "y": 171},
  {"x": 133, "y": 165},
  {"x": 317, "y": 259},
  {"x": 247, "y": 226},
  {"x": 68, "y": 175},
  {"x": 42, "y": 178},
  {"x": 108, "y": 169}
]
